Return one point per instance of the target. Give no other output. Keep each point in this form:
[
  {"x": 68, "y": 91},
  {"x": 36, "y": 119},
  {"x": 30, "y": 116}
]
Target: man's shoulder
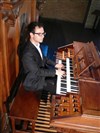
[{"x": 29, "y": 47}]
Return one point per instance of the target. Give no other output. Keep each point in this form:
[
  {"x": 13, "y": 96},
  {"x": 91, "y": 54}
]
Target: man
[{"x": 34, "y": 63}]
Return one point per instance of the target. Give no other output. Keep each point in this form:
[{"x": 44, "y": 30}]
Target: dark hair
[{"x": 32, "y": 25}]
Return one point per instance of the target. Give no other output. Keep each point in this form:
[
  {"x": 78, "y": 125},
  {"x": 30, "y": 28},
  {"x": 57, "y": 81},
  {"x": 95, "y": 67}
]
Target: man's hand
[
  {"x": 59, "y": 66},
  {"x": 60, "y": 72}
]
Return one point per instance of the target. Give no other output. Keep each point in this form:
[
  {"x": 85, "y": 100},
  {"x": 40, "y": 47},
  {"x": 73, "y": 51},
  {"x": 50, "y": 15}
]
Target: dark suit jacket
[{"x": 34, "y": 68}]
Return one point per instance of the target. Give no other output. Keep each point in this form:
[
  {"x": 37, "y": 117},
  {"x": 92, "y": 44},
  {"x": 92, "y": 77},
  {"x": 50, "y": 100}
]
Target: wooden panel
[
  {"x": 79, "y": 124},
  {"x": 2, "y": 95},
  {"x": 1, "y": 110},
  {"x": 33, "y": 11},
  {"x": 11, "y": 24},
  {"x": 90, "y": 92},
  {"x": 10, "y": 36},
  {"x": 0, "y": 85},
  {"x": 8, "y": 50},
  {"x": 3, "y": 86}
]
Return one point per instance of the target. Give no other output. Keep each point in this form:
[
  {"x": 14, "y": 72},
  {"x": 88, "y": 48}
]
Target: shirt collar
[{"x": 36, "y": 45}]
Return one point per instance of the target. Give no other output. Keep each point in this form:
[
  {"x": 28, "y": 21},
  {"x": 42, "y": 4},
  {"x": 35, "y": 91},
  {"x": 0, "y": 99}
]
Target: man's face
[{"x": 38, "y": 35}]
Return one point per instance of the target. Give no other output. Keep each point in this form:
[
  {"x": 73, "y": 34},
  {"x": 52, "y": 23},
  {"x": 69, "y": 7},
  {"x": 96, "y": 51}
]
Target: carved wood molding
[{"x": 10, "y": 10}]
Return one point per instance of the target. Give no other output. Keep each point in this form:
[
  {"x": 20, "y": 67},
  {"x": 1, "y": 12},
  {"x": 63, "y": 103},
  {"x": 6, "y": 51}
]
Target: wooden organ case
[
  {"x": 78, "y": 112},
  {"x": 13, "y": 15}
]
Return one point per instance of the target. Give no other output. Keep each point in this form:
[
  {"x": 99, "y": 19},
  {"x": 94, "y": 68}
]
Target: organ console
[{"x": 76, "y": 107}]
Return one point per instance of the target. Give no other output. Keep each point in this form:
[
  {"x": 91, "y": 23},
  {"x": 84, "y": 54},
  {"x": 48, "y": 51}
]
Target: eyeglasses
[{"x": 41, "y": 34}]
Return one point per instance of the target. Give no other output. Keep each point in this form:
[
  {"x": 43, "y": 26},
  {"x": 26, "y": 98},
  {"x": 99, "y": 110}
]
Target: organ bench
[{"x": 24, "y": 108}]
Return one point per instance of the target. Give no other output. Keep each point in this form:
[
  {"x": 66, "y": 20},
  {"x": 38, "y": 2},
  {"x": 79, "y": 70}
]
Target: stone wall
[
  {"x": 95, "y": 5},
  {"x": 68, "y": 10}
]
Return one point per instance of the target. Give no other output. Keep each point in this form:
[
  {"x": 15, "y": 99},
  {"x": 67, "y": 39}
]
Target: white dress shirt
[{"x": 38, "y": 48}]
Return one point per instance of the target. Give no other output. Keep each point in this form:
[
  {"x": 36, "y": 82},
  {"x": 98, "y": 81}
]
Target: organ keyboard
[
  {"x": 80, "y": 62},
  {"x": 67, "y": 83}
]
